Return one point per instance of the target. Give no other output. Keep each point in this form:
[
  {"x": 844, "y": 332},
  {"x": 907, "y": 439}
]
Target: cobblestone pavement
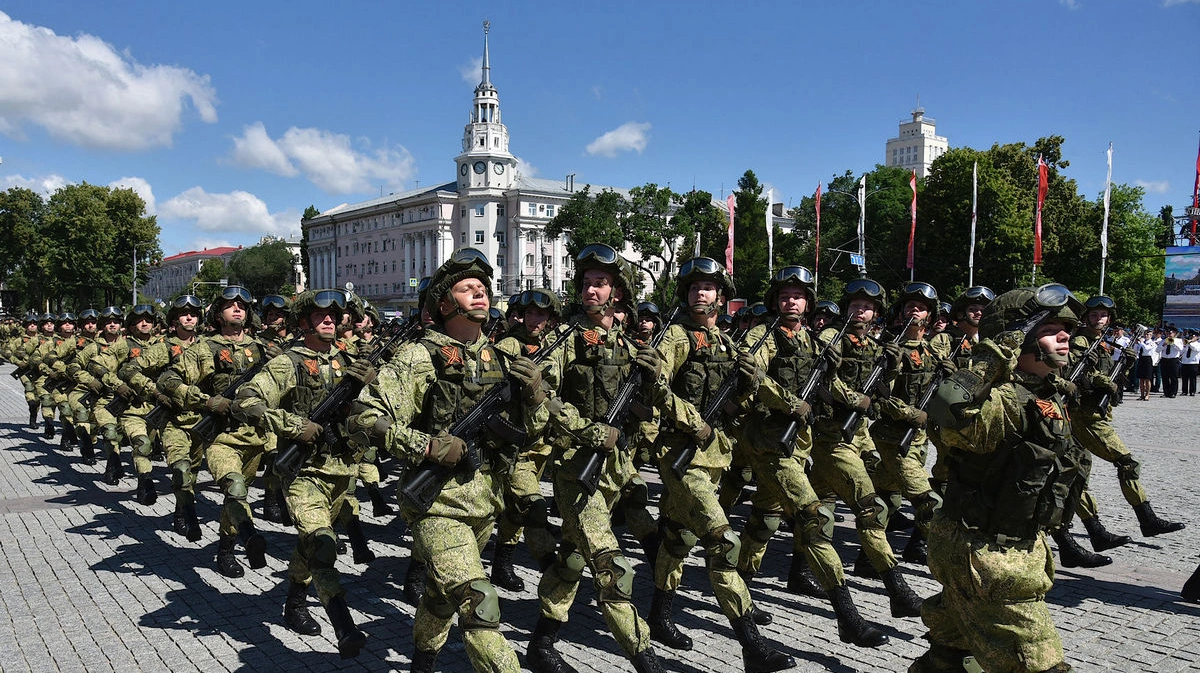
[{"x": 91, "y": 581}]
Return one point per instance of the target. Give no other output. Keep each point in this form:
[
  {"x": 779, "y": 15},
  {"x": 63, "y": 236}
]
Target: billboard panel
[{"x": 1183, "y": 287}]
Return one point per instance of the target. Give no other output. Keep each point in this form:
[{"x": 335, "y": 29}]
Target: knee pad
[
  {"x": 816, "y": 523},
  {"x": 636, "y": 493},
  {"x": 893, "y": 501},
  {"x": 111, "y": 433},
  {"x": 722, "y": 546},
  {"x": 872, "y": 513},
  {"x": 439, "y": 607},
  {"x": 762, "y": 526},
  {"x": 483, "y": 606},
  {"x": 1128, "y": 469},
  {"x": 322, "y": 548},
  {"x": 142, "y": 446},
  {"x": 926, "y": 505},
  {"x": 570, "y": 567},
  {"x": 614, "y": 577},
  {"x": 235, "y": 486},
  {"x": 677, "y": 540},
  {"x": 181, "y": 473},
  {"x": 538, "y": 513}
]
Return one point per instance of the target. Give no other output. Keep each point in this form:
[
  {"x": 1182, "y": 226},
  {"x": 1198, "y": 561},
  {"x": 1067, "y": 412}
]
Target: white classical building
[{"x": 917, "y": 145}]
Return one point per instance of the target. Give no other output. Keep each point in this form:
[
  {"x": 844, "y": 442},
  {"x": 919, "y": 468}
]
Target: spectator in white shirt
[
  {"x": 1172, "y": 351},
  {"x": 1190, "y": 363}
]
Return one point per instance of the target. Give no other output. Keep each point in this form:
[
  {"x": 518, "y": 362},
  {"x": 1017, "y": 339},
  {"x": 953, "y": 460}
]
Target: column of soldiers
[{"x": 801, "y": 398}]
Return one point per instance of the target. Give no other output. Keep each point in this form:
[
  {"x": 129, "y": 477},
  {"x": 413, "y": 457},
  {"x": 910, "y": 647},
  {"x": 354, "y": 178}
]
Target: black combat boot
[
  {"x": 157, "y": 454},
  {"x": 757, "y": 655},
  {"x": 113, "y": 470},
  {"x": 414, "y": 581},
  {"x": 424, "y": 662},
  {"x": 1191, "y": 588},
  {"x": 254, "y": 544},
  {"x": 33, "y": 411},
  {"x": 1072, "y": 555},
  {"x": 863, "y": 567},
  {"x": 189, "y": 512},
  {"x": 48, "y": 433},
  {"x": 503, "y": 574},
  {"x": 146, "y": 493},
  {"x": 379, "y": 504},
  {"x": 940, "y": 658},
  {"x": 1102, "y": 540},
  {"x": 271, "y": 509},
  {"x": 295, "y": 611},
  {"x": 760, "y": 616},
  {"x": 541, "y": 655},
  {"x": 349, "y": 638},
  {"x": 662, "y": 624},
  {"x": 285, "y": 514},
  {"x": 646, "y": 662},
  {"x": 852, "y": 628},
  {"x": 179, "y": 522},
  {"x": 87, "y": 450},
  {"x": 650, "y": 545},
  {"x": 70, "y": 439},
  {"x": 801, "y": 579},
  {"x": 227, "y": 563},
  {"x": 1151, "y": 524},
  {"x": 358, "y": 541},
  {"x": 904, "y": 601},
  {"x": 916, "y": 551}
]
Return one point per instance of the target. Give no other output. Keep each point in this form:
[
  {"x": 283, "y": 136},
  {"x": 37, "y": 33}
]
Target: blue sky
[{"x": 231, "y": 118}]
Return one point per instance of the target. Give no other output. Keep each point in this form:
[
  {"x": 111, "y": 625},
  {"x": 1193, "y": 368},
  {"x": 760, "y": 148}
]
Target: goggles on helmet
[
  {"x": 274, "y": 301},
  {"x": 423, "y": 284},
  {"x": 704, "y": 266},
  {"x": 536, "y": 298},
  {"x": 979, "y": 292},
  {"x": 66, "y": 317},
  {"x": 797, "y": 274},
  {"x": 145, "y": 310},
  {"x": 829, "y": 307},
  {"x": 237, "y": 292},
  {"x": 920, "y": 289},
  {"x": 648, "y": 308},
  {"x": 111, "y": 312},
  {"x": 864, "y": 286},
  {"x": 605, "y": 254},
  {"x": 188, "y": 301},
  {"x": 89, "y": 314},
  {"x": 757, "y": 311},
  {"x": 327, "y": 298},
  {"x": 1100, "y": 301},
  {"x": 465, "y": 258}
]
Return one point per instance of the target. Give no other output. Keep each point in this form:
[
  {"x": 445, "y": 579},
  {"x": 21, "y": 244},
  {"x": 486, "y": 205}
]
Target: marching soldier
[
  {"x": 55, "y": 356},
  {"x": 89, "y": 424},
  {"x": 140, "y": 323}
]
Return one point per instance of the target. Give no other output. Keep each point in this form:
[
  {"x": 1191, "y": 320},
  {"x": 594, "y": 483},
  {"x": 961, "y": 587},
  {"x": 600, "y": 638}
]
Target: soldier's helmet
[
  {"x": 185, "y": 303},
  {"x": 923, "y": 293},
  {"x": 605, "y": 258},
  {"x": 514, "y": 305},
  {"x": 1099, "y": 301},
  {"x": 422, "y": 293},
  {"x": 796, "y": 275},
  {"x": 48, "y": 317},
  {"x": 648, "y": 310},
  {"x": 864, "y": 288},
  {"x": 230, "y": 294},
  {"x": 370, "y": 310},
  {"x": 977, "y": 294},
  {"x": 112, "y": 313},
  {"x": 725, "y": 321},
  {"x": 1014, "y": 308},
  {"x": 313, "y": 300},
  {"x": 89, "y": 314},
  {"x": 945, "y": 310},
  {"x": 355, "y": 307},
  {"x": 829, "y": 308},
  {"x": 464, "y": 263},
  {"x": 703, "y": 268},
  {"x": 142, "y": 311},
  {"x": 276, "y": 302},
  {"x": 30, "y": 318},
  {"x": 65, "y": 317},
  {"x": 541, "y": 298}
]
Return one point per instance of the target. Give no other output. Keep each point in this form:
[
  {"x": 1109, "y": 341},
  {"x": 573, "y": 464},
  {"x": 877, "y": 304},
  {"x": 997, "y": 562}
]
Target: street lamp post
[
  {"x": 224, "y": 282},
  {"x": 860, "y": 260}
]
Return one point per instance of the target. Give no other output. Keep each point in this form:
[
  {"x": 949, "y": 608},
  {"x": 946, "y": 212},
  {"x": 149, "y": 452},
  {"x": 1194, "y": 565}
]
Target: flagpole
[
  {"x": 817, "y": 252},
  {"x": 1104, "y": 227},
  {"x": 974, "y": 216},
  {"x": 912, "y": 232},
  {"x": 770, "y": 235}
]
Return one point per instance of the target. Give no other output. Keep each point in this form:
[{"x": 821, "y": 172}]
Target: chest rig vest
[
  {"x": 591, "y": 380},
  {"x": 231, "y": 361},
  {"x": 314, "y": 381},
  {"x": 917, "y": 368},
  {"x": 707, "y": 365},
  {"x": 1024, "y": 486},
  {"x": 459, "y": 386}
]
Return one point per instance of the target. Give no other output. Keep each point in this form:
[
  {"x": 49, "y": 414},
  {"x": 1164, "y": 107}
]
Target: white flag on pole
[
  {"x": 974, "y": 218},
  {"x": 1107, "y": 194},
  {"x": 770, "y": 234}
]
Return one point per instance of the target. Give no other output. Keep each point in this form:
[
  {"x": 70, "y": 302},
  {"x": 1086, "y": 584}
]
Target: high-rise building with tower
[{"x": 917, "y": 145}]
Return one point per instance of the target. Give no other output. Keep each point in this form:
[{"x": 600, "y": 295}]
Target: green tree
[
  {"x": 211, "y": 273},
  {"x": 264, "y": 268},
  {"x": 656, "y": 235},
  {"x": 588, "y": 220},
  {"x": 21, "y": 213}
]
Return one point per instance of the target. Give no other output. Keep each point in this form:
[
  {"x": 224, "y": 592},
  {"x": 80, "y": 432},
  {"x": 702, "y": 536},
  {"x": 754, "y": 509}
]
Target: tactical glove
[
  {"x": 919, "y": 419},
  {"x": 446, "y": 449},
  {"x": 309, "y": 434},
  {"x": 124, "y": 391},
  {"x": 834, "y": 357},
  {"x": 1062, "y": 386},
  {"x": 801, "y": 411},
  {"x": 750, "y": 374},
  {"x": 272, "y": 350},
  {"x": 164, "y": 400},
  {"x": 892, "y": 352},
  {"x": 377, "y": 431},
  {"x": 218, "y": 405},
  {"x": 96, "y": 386},
  {"x": 528, "y": 373},
  {"x": 611, "y": 437},
  {"x": 947, "y": 367},
  {"x": 863, "y": 403},
  {"x": 702, "y": 435},
  {"x": 361, "y": 371},
  {"x": 650, "y": 361}
]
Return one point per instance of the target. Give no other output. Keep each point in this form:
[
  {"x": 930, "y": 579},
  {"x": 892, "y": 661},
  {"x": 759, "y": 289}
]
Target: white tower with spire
[
  {"x": 485, "y": 163},
  {"x": 917, "y": 145}
]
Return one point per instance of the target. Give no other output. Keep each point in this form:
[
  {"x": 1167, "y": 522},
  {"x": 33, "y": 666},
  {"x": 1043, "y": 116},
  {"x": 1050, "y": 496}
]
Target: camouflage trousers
[
  {"x": 233, "y": 459},
  {"x": 31, "y": 392},
  {"x": 315, "y": 500},
  {"x": 184, "y": 456},
  {"x": 133, "y": 425},
  {"x": 993, "y": 601},
  {"x": 55, "y": 400},
  {"x": 1097, "y": 435},
  {"x": 80, "y": 415},
  {"x": 588, "y": 538},
  {"x": 784, "y": 490},
  {"x": 690, "y": 505},
  {"x": 456, "y": 584},
  {"x": 896, "y": 475},
  {"x": 521, "y": 488},
  {"x": 838, "y": 468}
]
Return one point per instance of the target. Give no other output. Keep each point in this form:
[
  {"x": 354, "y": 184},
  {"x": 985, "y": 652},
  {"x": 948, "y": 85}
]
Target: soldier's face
[
  {"x": 704, "y": 293},
  {"x": 470, "y": 294},
  {"x": 234, "y": 313},
  {"x": 973, "y": 313},
  {"x": 646, "y": 326},
  {"x": 861, "y": 310},
  {"x": 31, "y": 328},
  {"x": 47, "y": 328},
  {"x": 536, "y": 319},
  {"x": 940, "y": 324},
  {"x": 143, "y": 327},
  {"x": 915, "y": 310},
  {"x": 275, "y": 317},
  {"x": 793, "y": 301},
  {"x": 188, "y": 321},
  {"x": 112, "y": 327},
  {"x": 597, "y": 288},
  {"x": 1097, "y": 318},
  {"x": 88, "y": 327},
  {"x": 67, "y": 328},
  {"x": 324, "y": 323},
  {"x": 819, "y": 322},
  {"x": 1053, "y": 338}
]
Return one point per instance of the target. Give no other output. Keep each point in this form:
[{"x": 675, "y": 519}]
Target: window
[
  {"x": 654, "y": 266},
  {"x": 533, "y": 209},
  {"x": 479, "y": 236},
  {"x": 566, "y": 261},
  {"x": 549, "y": 211},
  {"x": 479, "y": 210},
  {"x": 529, "y": 284},
  {"x": 499, "y": 211},
  {"x": 502, "y": 238},
  {"x": 463, "y": 238},
  {"x": 529, "y": 259},
  {"x": 500, "y": 261}
]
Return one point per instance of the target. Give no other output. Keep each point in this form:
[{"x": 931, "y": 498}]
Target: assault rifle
[
  {"x": 715, "y": 403},
  {"x": 20, "y": 371},
  {"x": 428, "y": 479},
  {"x": 618, "y": 411},
  {"x": 820, "y": 366},
  {"x": 926, "y": 397},
  {"x": 852, "y": 421},
  {"x": 293, "y": 458},
  {"x": 207, "y": 428},
  {"x": 1121, "y": 373}
]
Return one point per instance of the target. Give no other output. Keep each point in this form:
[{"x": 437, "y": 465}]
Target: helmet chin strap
[
  {"x": 599, "y": 308},
  {"x": 703, "y": 309}
]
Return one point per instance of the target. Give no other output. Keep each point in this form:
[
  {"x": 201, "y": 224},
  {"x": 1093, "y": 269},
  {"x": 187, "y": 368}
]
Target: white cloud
[
  {"x": 255, "y": 149},
  {"x": 1172, "y": 3},
  {"x": 327, "y": 159},
  {"x": 83, "y": 91},
  {"x": 525, "y": 168},
  {"x": 1070, "y": 4},
  {"x": 597, "y": 92},
  {"x": 472, "y": 73},
  {"x": 1154, "y": 186},
  {"x": 630, "y": 136},
  {"x": 236, "y": 211},
  {"x": 45, "y": 185},
  {"x": 141, "y": 187}
]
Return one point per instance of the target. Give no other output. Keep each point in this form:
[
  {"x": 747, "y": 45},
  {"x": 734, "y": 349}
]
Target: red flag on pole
[
  {"x": 1043, "y": 179},
  {"x": 912, "y": 232},
  {"x": 817, "y": 257},
  {"x": 730, "y": 201},
  {"x": 1195, "y": 198}
]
